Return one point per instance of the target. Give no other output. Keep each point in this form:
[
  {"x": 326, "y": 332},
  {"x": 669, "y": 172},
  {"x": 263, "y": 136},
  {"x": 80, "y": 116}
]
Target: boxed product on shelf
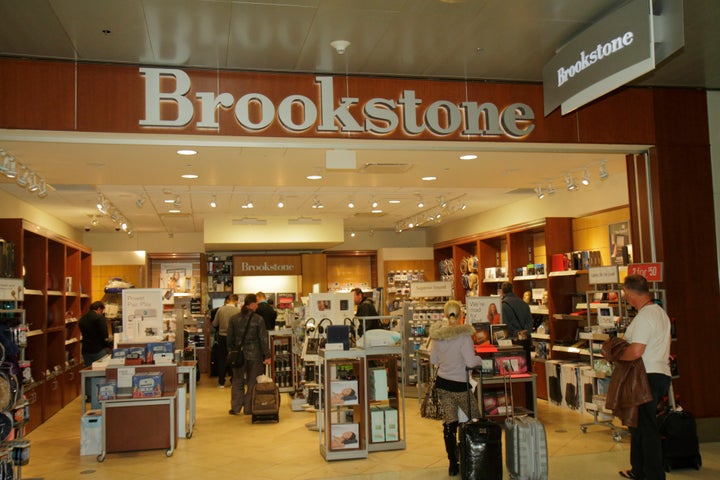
[
  {"x": 107, "y": 391},
  {"x": 157, "y": 347},
  {"x": 494, "y": 403},
  {"x": 510, "y": 363},
  {"x": 392, "y": 431},
  {"x": 377, "y": 425},
  {"x": 147, "y": 385},
  {"x": 569, "y": 379},
  {"x": 345, "y": 436},
  {"x": 378, "y": 384}
]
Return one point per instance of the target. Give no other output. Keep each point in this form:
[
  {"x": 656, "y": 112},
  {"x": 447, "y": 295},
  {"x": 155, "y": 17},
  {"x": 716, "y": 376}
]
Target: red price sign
[{"x": 651, "y": 271}]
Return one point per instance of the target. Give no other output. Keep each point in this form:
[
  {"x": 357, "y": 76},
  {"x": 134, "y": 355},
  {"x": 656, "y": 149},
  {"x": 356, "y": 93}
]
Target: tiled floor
[{"x": 231, "y": 447}]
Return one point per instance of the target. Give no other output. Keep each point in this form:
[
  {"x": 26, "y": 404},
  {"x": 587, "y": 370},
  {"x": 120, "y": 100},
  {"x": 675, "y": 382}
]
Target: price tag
[
  {"x": 601, "y": 275},
  {"x": 652, "y": 272}
]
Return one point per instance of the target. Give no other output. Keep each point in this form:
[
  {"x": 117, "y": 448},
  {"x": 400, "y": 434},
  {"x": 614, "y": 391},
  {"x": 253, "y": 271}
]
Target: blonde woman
[{"x": 453, "y": 352}]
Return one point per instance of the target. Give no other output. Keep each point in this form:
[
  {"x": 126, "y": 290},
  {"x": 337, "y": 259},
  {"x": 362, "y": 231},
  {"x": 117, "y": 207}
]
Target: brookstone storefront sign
[
  {"x": 267, "y": 265},
  {"x": 255, "y": 111}
]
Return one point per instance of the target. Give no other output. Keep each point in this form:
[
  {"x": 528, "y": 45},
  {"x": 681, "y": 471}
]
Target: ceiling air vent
[
  {"x": 249, "y": 221},
  {"x": 386, "y": 167}
]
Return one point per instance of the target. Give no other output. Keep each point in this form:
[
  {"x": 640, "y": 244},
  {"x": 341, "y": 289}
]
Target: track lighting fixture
[
  {"x": 213, "y": 203},
  {"x": 32, "y": 185},
  {"x": 317, "y": 203},
  {"x": 140, "y": 201},
  {"x": 352, "y": 233},
  {"x": 351, "y": 204},
  {"x": 374, "y": 203},
  {"x": 23, "y": 176},
  {"x": 571, "y": 185},
  {"x": 42, "y": 189},
  {"x": 101, "y": 204},
  {"x": 9, "y": 165},
  {"x": 420, "y": 203},
  {"x": 586, "y": 178},
  {"x": 603, "y": 172},
  {"x": 435, "y": 214},
  {"x": 280, "y": 203},
  {"x": 94, "y": 221},
  {"x": 177, "y": 201},
  {"x": 540, "y": 193},
  {"x": 550, "y": 189}
]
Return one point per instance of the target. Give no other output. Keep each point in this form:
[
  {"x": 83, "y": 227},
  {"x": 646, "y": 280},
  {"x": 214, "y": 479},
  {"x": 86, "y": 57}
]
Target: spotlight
[
  {"x": 9, "y": 166},
  {"x": 374, "y": 203},
  {"x": 213, "y": 203},
  {"x": 93, "y": 221},
  {"x": 317, "y": 204},
  {"x": 280, "y": 203},
  {"x": 539, "y": 192},
  {"x": 177, "y": 201},
  {"x": 23, "y": 176},
  {"x": 140, "y": 201},
  {"x": 550, "y": 189},
  {"x": 463, "y": 206},
  {"x": 603, "y": 173},
  {"x": 420, "y": 203},
  {"x": 586, "y": 178},
  {"x": 351, "y": 204},
  {"x": 32, "y": 185},
  {"x": 443, "y": 203},
  {"x": 352, "y": 233},
  {"x": 42, "y": 190},
  {"x": 124, "y": 225},
  {"x": 571, "y": 185},
  {"x": 101, "y": 206}
]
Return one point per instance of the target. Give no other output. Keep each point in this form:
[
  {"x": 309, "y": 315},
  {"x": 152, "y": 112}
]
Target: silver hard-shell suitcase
[{"x": 526, "y": 456}]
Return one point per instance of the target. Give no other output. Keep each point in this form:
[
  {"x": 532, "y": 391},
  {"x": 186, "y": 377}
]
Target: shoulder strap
[
  {"x": 513, "y": 310},
  {"x": 247, "y": 325}
]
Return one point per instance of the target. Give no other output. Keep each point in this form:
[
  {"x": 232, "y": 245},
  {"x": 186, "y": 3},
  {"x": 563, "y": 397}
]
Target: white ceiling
[{"x": 475, "y": 39}]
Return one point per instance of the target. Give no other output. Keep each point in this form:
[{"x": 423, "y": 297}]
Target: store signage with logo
[
  {"x": 255, "y": 111},
  {"x": 653, "y": 272},
  {"x": 266, "y": 265},
  {"x": 430, "y": 289},
  {"x": 610, "y": 53}
]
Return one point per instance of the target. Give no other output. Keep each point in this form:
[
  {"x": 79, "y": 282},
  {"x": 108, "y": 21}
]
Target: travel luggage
[
  {"x": 526, "y": 456},
  {"x": 265, "y": 402},
  {"x": 480, "y": 448},
  {"x": 680, "y": 444}
]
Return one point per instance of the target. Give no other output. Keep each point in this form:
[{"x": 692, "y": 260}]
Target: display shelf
[
  {"x": 56, "y": 274},
  {"x": 386, "y": 399},
  {"x": 526, "y": 278},
  {"x": 343, "y": 404},
  {"x": 417, "y": 318},
  {"x": 283, "y": 362}
]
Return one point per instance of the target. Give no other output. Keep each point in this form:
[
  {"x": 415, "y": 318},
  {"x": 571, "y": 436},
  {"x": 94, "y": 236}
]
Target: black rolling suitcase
[
  {"x": 480, "y": 448},
  {"x": 680, "y": 445}
]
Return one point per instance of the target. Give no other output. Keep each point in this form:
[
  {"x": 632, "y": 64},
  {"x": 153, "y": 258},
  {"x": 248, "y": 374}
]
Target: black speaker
[{"x": 339, "y": 334}]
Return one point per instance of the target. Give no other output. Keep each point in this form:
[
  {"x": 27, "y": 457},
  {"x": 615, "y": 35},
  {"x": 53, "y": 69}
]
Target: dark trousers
[
  {"x": 645, "y": 445},
  {"x": 243, "y": 383},
  {"x": 222, "y": 353}
]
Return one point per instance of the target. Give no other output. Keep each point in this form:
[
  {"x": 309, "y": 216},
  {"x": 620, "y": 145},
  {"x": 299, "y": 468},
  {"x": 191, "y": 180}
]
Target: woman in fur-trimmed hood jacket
[{"x": 452, "y": 352}]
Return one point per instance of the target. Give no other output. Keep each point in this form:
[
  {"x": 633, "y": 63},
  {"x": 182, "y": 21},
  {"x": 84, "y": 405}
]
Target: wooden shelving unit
[{"x": 57, "y": 275}]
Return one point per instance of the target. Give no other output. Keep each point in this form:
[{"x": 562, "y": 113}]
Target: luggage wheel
[
  {"x": 169, "y": 452},
  {"x": 101, "y": 457},
  {"x": 583, "y": 429},
  {"x": 617, "y": 437}
]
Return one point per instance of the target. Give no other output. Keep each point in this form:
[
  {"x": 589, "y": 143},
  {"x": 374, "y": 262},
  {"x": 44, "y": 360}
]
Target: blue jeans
[{"x": 645, "y": 445}]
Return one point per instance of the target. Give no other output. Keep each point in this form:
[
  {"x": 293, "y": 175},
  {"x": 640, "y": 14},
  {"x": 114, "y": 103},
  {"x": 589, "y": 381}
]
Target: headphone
[
  {"x": 309, "y": 329},
  {"x": 353, "y": 327},
  {"x": 320, "y": 328}
]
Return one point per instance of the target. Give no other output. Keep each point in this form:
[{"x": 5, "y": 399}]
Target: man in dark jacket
[
  {"x": 93, "y": 327},
  {"x": 366, "y": 308},
  {"x": 517, "y": 316},
  {"x": 266, "y": 311}
]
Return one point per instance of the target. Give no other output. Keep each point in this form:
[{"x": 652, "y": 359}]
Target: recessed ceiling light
[
  {"x": 375, "y": 210},
  {"x": 393, "y": 201},
  {"x": 169, "y": 200},
  {"x": 186, "y": 152},
  {"x": 314, "y": 177},
  {"x": 470, "y": 156},
  {"x": 174, "y": 210},
  {"x": 429, "y": 178},
  {"x": 189, "y": 176}
]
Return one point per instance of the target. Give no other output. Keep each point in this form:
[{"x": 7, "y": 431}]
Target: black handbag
[
  {"x": 235, "y": 357},
  {"x": 430, "y": 407}
]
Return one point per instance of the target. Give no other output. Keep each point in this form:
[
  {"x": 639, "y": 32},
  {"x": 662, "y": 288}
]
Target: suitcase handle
[
  {"x": 469, "y": 390},
  {"x": 507, "y": 384}
]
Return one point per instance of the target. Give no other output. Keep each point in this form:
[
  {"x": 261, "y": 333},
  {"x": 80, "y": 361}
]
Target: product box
[
  {"x": 377, "y": 425},
  {"x": 392, "y": 431},
  {"x": 119, "y": 352},
  {"x": 157, "y": 347},
  {"x": 147, "y": 385},
  {"x": 106, "y": 391},
  {"x": 91, "y": 433},
  {"x": 378, "y": 384},
  {"x": 508, "y": 364}
]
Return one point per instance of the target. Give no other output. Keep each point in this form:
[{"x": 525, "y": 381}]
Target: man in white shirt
[{"x": 649, "y": 339}]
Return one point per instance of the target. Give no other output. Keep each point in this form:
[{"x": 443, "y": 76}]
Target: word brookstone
[
  {"x": 255, "y": 111},
  {"x": 599, "y": 53},
  {"x": 265, "y": 267}
]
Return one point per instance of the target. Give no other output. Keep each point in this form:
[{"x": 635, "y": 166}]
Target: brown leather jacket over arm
[{"x": 629, "y": 386}]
